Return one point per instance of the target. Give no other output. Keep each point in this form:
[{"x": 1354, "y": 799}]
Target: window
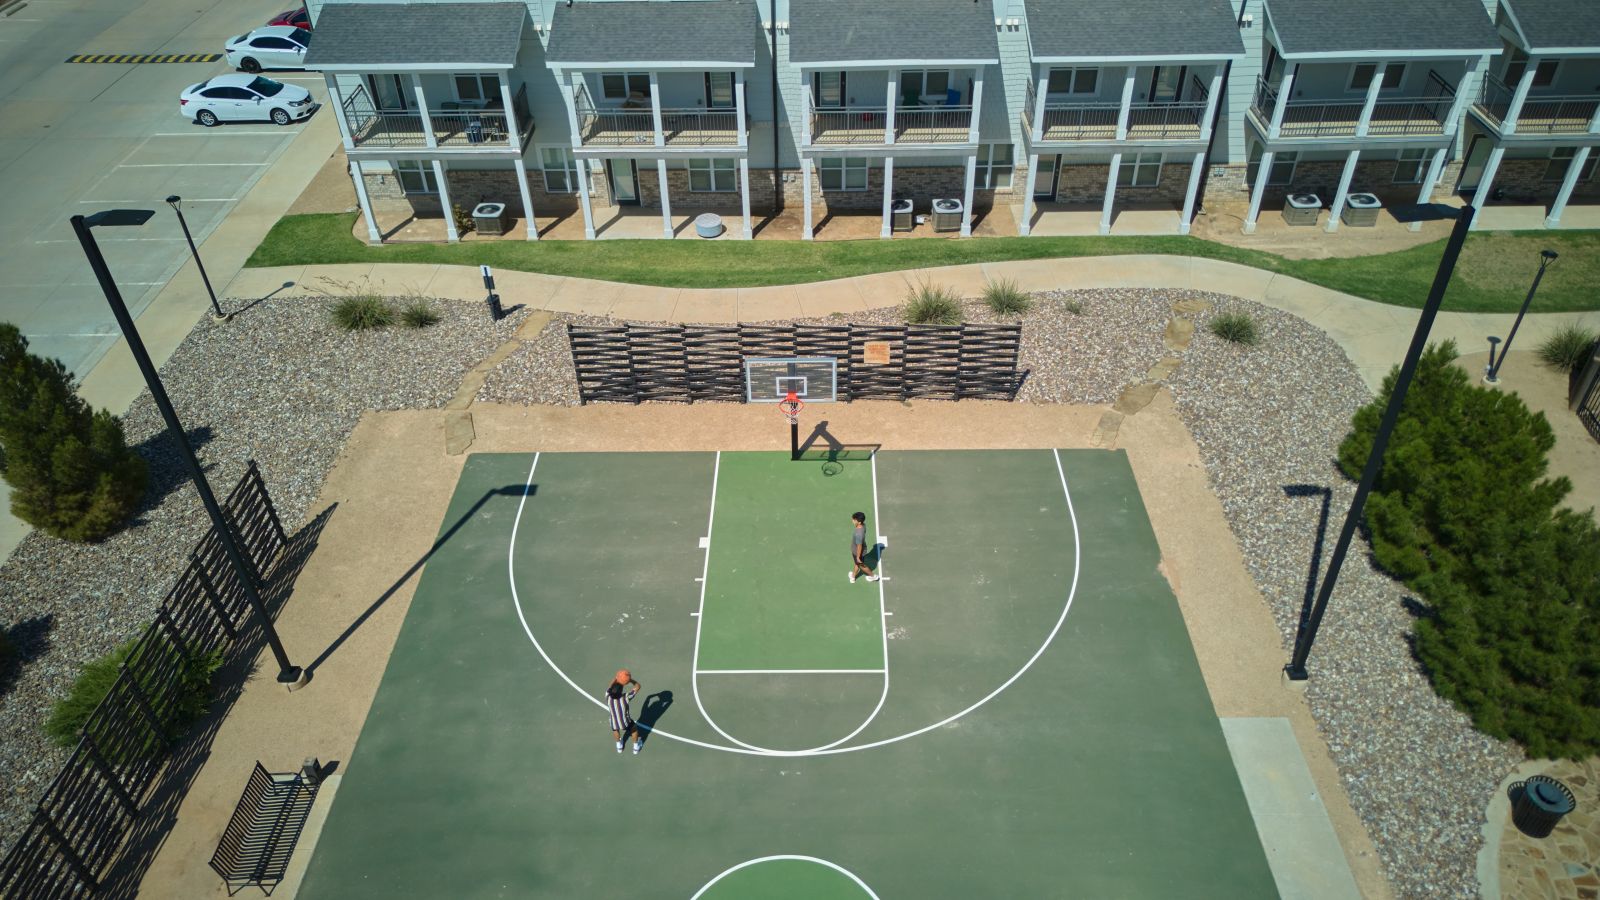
[
  {"x": 227, "y": 93},
  {"x": 416, "y": 176},
  {"x": 1411, "y": 165},
  {"x": 719, "y": 90},
  {"x": 1044, "y": 180},
  {"x": 482, "y": 89},
  {"x": 716, "y": 174},
  {"x": 1139, "y": 170},
  {"x": 301, "y": 37},
  {"x": 828, "y": 89},
  {"x": 1073, "y": 81},
  {"x": 273, "y": 43},
  {"x": 994, "y": 167},
  {"x": 925, "y": 87},
  {"x": 1274, "y": 66},
  {"x": 1361, "y": 76},
  {"x": 625, "y": 86},
  {"x": 843, "y": 174},
  {"x": 1517, "y": 65},
  {"x": 1561, "y": 161},
  {"x": 1282, "y": 166},
  {"x": 560, "y": 170}
]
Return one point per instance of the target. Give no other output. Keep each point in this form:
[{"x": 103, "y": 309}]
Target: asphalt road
[{"x": 80, "y": 137}]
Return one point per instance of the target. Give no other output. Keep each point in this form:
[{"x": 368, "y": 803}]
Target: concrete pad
[
  {"x": 718, "y": 306},
  {"x": 968, "y": 281},
  {"x": 1510, "y": 218},
  {"x": 535, "y": 290},
  {"x": 825, "y": 298},
  {"x": 334, "y": 279},
  {"x": 645, "y": 303},
  {"x": 460, "y": 283},
  {"x": 581, "y": 296},
  {"x": 886, "y": 289},
  {"x": 253, "y": 284},
  {"x": 764, "y": 304},
  {"x": 1301, "y": 845},
  {"x": 1030, "y": 275},
  {"x": 402, "y": 279}
]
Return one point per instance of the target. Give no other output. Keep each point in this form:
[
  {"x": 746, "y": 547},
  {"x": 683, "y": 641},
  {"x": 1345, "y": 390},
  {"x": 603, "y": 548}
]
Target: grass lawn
[{"x": 1493, "y": 274}]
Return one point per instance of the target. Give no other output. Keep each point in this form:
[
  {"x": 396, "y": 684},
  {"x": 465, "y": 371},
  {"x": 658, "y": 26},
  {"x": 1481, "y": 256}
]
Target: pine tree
[{"x": 71, "y": 472}]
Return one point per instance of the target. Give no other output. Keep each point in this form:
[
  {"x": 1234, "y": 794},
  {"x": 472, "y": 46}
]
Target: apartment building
[{"x": 828, "y": 107}]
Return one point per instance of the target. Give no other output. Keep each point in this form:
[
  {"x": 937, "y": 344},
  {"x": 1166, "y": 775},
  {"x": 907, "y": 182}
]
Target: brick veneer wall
[
  {"x": 469, "y": 187},
  {"x": 922, "y": 184},
  {"x": 1086, "y": 183},
  {"x": 1523, "y": 180},
  {"x": 1321, "y": 177}
]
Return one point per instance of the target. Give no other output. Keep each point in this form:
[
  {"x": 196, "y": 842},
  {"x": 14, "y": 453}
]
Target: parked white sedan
[
  {"x": 240, "y": 98},
  {"x": 269, "y": 47}
]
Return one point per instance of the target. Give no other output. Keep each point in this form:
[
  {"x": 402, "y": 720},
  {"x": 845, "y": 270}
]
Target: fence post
[
  {"x": 172, "y": 631},
  {"x": 65, "y": 847},
  {"x": 214, "y": 597},
  {"x": 109, "y": 775},
  {"x": 145, "y": 707}
]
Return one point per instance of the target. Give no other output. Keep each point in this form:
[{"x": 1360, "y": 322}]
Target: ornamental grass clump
[
  {"x": 1234, "y": 327},
  {"x": 1005, "y": 298},
  {"x": 418, "y": 313},
  {"x": 363, "y": 313},
  {"x": 931, "y": 305},
  {"x": 1569, "y": 349}
]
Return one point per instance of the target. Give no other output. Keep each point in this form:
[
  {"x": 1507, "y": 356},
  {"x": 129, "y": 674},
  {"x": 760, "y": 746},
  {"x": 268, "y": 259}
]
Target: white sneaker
[
  {"x": 635, "y": 748},
  {"x": 852, "y": 578},
  {"x": 619, "y": 746},
  {"x": 872, "y": 578}
]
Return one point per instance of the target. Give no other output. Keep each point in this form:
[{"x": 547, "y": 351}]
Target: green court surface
[{"x": 1016, "y": 711}]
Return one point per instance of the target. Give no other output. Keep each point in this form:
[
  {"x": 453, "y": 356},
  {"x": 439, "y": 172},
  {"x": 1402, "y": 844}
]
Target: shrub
[
  {"x": 1005, "y": 298},
  {"x": 362, "y": 312},
  {"x": 464, "y": 220},
  {"x": 1072, "y": 306},
  {"x": 71, "y": 471},
  {"x": 418, "y": 313},
  {"x": 70, "y": 714},
  {"x": 1462, "y": 513},
  {"x": 1235, "y": 327},
  {"x": 930, "y": 305},
  {"x": 1569, "y": 349}
]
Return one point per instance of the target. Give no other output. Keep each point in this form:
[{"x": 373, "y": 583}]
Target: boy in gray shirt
[{"x": 858, "y": 544}]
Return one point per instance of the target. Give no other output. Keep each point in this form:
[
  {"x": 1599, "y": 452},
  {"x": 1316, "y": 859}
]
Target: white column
[
  {"x": 373, "y": 235},
  {"x": 1127, "y": 103},
  {"x": 1579, "y": 160},
  {"x": 444, "y": 201},
  {"x": 1025, "y": 225},
  {"x": 666, "y": 200},
  {"x": 888, "y": 197},
  {"x": 570, "y": 97},
  {"x": 582, "y": 175},
  {"x": 806, "y": 103},
  {"x": 1364, "y": 123},
  {"x": 1216, "y": 99},
  {"x": 805, "y": 186},
  {"x": 744, "y": 195},
  {"x": 1509, "y": 124},
  {"x": 1111, "y": 194},
  {"x": 1486, "y": 182},
  {"x": 1343, "y": 191},
  {"x": 888, "y": 107},
  {"x": 338, "y": 105},
  {"x": 1425, "y": 196},
  {"x": 655, "y": 109},
  {"x": 1038, "y": 104},
  {"x": 977, "y": 107},
  {"x": 1285, "y": 87},
  {"x": 527, "y": 199},
  {"x": 513, "y": 127},
  {"x": 1195, "y": 169},
  {"x": 966, "y": 202},
  {"x": 1460, "y": 103},
  {"x": 738, "y": 108},
  {"x": 1594, "y": 121},
  {"x": 1257, "y": 191},
  {"x": 422, "y": 110}
]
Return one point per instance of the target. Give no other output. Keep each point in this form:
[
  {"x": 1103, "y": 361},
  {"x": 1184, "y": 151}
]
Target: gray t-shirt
[{"x": 858, "y": 538}]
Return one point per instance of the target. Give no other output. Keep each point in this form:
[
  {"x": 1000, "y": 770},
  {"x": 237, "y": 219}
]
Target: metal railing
[
  {"x": 1166, "y": 121},
  {"x": 855, "y": 125},
  {"x": 1548, "y": 114},
  {"x": 454, "y": 128},
  {"x": 932, "y": 124},
  {"x": 1067, "y": 120},
  {"x": 1395, "y": 117},
  {"x": 679, "y": 127}
]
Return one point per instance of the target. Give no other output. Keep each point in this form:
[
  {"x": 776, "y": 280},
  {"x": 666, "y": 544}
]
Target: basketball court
[{"x": 1013, "y": 710}]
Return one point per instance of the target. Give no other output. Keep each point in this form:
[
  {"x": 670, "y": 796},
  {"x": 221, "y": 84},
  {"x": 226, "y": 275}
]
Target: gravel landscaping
[{"x": 1265, "y": 418}]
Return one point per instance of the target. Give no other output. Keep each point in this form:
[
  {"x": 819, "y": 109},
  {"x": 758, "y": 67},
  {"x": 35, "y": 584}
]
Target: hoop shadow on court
[
  {"x": 655, "y": 706},
  {"x": 821, "y": 446}
]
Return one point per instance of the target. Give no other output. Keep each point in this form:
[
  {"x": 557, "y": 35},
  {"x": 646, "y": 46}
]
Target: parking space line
[
  {"x": 211, "y": 132},
  {"x": 186, "y": 200}
]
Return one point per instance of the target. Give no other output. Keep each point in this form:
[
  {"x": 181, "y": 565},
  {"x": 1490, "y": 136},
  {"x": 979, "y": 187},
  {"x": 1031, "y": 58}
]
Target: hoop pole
[{"x": 794, "y": 440}]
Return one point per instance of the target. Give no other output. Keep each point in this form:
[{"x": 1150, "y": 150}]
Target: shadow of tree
[{"x": 29, "y": 640}]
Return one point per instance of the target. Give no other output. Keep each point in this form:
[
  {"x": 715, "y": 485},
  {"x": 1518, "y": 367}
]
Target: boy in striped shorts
[{"x": 622, "y": 690}]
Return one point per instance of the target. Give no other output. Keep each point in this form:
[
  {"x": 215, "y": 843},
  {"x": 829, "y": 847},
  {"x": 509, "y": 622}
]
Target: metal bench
[{"x": 264, "y": 827}]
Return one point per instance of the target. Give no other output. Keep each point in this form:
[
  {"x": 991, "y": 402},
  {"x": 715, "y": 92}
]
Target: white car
[
  {"x": 269, "y": 47},
  {"x": 240, "y": 98}
]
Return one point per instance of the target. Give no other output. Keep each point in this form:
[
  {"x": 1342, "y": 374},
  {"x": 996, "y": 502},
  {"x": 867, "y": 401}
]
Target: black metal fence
[
  {"x": 1585, "y": 392},
  {"x": 93, "y": 803},
  {"x": 634, "y": 363}
]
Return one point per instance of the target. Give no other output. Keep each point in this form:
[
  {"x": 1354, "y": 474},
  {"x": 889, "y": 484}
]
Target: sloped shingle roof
[
  {"x": 1086, "y": 29},
  {"x": 1379, "y": 26},
  {"x": 719, "y": 32},
  {"x": 400, "y": 34},
  {"x": 1557, "y": 24},
  {"x": 864, "y": 31}
]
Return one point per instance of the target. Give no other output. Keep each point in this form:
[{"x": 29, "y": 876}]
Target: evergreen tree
[
  {"x": 1462, "y": 513},
  {"x": 71, "y": 472}
]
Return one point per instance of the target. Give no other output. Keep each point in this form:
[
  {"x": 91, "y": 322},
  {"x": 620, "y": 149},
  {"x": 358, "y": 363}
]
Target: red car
[{"x": 299, "y": 18}]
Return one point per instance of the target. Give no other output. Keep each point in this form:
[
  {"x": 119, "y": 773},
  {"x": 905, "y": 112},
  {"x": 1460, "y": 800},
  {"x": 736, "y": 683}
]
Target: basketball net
[{"x": 790, "y": 406}]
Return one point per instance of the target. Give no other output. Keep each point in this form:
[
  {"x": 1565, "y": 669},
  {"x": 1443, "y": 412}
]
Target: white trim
[
  {"x": 633, "y": 64},
  {"x": 821, "y": 862},
  {"x": 406, "y": 69},
  {"x": 851, "y": 64},
  {"x": 1373, "y": 55},
  {"x": 1137, "y": 59}
]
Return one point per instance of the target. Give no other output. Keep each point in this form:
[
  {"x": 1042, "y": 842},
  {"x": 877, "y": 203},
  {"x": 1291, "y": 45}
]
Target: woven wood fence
[
  {"x": 91, "y": 805},
  {"x": 685, "y": 363}
]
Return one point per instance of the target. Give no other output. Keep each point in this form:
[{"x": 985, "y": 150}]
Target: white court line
[
  {"x": 792, "y": 671},
  {"x": 1072, "y": 593},
  {"x": 811, "y": 859}
]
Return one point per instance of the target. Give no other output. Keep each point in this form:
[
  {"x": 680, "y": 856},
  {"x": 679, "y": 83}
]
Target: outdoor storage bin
[
  {"x": 902, "y": 214},
  {"x": 947, "y": 215},
  {"x": 1361, "y": 210},
  {"x": 708, "y": 225},
  {"x": 489, "y": 218},
  {"x": 1302, "y": 209},
  {"x": 1541, "y": 805}
]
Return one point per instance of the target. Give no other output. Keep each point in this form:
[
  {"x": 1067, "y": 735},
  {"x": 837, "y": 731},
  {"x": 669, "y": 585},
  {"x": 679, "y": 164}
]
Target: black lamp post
[
  {"x": 1546, "y": 257},
  {"x": 289, "y": 675},
  {"x": 217, "y": 315}
]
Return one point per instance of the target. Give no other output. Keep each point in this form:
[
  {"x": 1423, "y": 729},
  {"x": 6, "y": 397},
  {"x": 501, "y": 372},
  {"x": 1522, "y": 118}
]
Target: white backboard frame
[{"x": 768, "y": 378}]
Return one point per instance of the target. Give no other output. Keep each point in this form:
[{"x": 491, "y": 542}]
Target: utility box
[
  {"x": 900, "y": 214},
  {"x": 1302, "y": 209},
  {"x": 1361, "y": 210},
  {"x": 489, "y": 218},
  {"x": 947, "y": 215}
]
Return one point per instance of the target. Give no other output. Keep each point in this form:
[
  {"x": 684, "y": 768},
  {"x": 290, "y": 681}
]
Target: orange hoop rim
[{"x": 791, "y": 405}]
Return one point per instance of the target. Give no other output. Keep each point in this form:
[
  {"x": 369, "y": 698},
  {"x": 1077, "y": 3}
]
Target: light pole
[
  {"x": 217, "y": 315},
  {"x": 289, "y": 675},
  {"x": 1546, "y": 257}
]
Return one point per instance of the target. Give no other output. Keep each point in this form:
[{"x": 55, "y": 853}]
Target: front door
[
  {"x": 624, "y": 182},
  {"x": 1044, "y": 183},
  {"x": 1472, "y": 169},
  {"x": 1166, "y": 84},
  {"x": 388, "y": 92}
]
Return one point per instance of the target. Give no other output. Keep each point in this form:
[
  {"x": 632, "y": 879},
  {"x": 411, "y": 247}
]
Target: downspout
[
  {"x": 1211, "y": 142},
  {"x": 777, "y": 130}
]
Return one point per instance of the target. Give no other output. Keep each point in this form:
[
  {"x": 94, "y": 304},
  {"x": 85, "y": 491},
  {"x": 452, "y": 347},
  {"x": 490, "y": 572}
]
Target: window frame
[
  {"x": 569, "y": 169},
  {"x": 983, "y": 178},
  {"x": 709, "y": 167},
  {"x": 843, "y": 166},
  {"x": 1567, "y": 155},
  {"x": 816, "y": 89},
  {"x": 486, "y": 98},
  {"x": 921, "y": 78},
  {"x": 1140, "y": 163},
  {"x": 1253, "y": 166},
  {"x": 1072, "y": 81},
  {"x": 415, "y": 168},
  {"x": 710, "y": 95},
  {"x": 1389, "y": 74},
  {"x": 1517, "y": 59},
  {"x": 629, "y": 84}
]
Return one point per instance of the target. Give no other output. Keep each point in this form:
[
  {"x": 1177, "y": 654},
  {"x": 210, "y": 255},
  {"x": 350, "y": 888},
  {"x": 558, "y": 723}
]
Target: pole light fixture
[
  {"x": 217, "y": 315},
  {"x": 289, "y": 675},
  {"x": 1492, "y": 376}
]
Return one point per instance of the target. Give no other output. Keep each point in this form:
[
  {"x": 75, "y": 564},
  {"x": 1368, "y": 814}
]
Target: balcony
[
  {"x": 1552, "y": 114},
  {"x": 453, "y": 128},
  {"x": 679, "y": 128},
  {"x": 860, "y": 125},
  {"x": 1391, "y": 117},
  {"x": 1068, "y": 121}
]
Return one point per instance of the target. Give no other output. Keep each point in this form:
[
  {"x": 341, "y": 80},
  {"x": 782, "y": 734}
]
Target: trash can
[
  {"x": 901, "y": 214},
  {"x": 1361, "y": 210},
  {"x": 489, "y": 218},
  {"x": 1302, "y": 209},
  {"x": 1541, "y": 805},
  {"x": 708, "y": 225},
  {"x": 947, "y": 215}
]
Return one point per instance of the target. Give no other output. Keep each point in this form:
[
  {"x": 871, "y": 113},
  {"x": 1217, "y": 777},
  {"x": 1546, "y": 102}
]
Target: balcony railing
[
  {"x": 679, "y": 127},
  {"x": 1391, "y": 117},
  {"x": 912, "y": 125},
  {"x": 1066, "y": 120},
  {"x": 1550, "y": 114},
  {"x": 457, "y": 128}
]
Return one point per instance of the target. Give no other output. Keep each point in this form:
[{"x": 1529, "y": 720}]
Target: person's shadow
[{"x": 655, "y": 706}]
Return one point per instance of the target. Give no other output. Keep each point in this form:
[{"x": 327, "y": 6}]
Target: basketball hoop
[{"x": 790, "y": 406}]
